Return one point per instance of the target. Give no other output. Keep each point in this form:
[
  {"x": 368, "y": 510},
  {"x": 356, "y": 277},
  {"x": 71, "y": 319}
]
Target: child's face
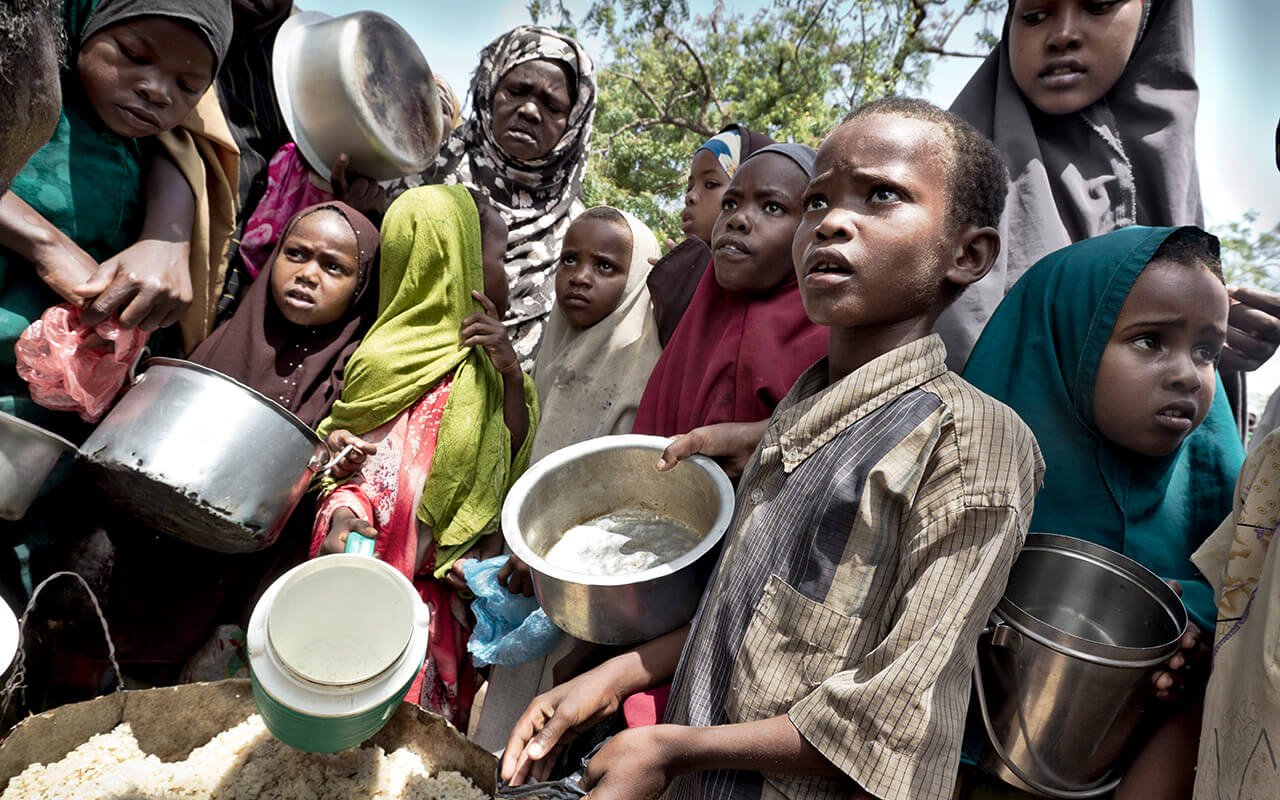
[
  {"x": 872, "y": 247},
  {"x": 1066, "y": 54},
  {"x": 758, "y": 217},
  {"x": 493, "y": 249},
  {"x": 592, "y": 273},
  {"x": 702, "y": 195},
  {"x": 1156, "y": 378},
  {"x": 314, "y": 279},
  {"x": 144, "y": 76}
]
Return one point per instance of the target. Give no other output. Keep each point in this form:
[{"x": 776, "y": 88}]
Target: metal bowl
[
  {"x": 28, "y": 454},
  {"x": 357, "y": 84},
  {"x": 598, "y": 477}
]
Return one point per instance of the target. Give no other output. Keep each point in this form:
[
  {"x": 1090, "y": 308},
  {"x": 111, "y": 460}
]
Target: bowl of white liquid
[{"x": 619, "y": 552}]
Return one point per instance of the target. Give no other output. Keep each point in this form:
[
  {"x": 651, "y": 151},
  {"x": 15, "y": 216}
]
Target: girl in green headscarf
[
  {"x": 1108, "y": 350},
  {"x": 443, "y": 417}
]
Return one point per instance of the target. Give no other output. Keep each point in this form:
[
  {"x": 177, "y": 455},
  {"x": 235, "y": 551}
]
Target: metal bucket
[
  {"x": 1063, "y": 674},
  {"x": 597, "y": 477},
  {"x": 334, "y": 645},
  {"x": 203, "y": 457}
]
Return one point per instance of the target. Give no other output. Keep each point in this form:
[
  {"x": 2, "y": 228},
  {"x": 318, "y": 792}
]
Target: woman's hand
[
  {"x": 488, "y": 547},
  {"x": 636, "y": 764},
  {"x": 148, "y": 284},
  {"x": 729, "y": 443},
  {"x": 339, "y": 440},
  {"x": 1253, "y": 331},
  {"x": 344, "y": 522},
  {"x": 553, "y": 720},
  {"x": 362, "y": 194},
  {"x": 515, "y": 576},
  {"x": 486, "y": 330}
]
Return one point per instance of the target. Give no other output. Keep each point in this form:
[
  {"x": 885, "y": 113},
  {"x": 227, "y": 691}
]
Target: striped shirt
[{"x": 874, "y": 531}]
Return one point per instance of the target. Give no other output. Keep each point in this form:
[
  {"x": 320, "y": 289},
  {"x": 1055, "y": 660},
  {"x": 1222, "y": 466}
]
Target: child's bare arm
[
  {"x": 486, "y": 330},
  {"x": 553, "y": 719},
  {"x": 729, "y": 443},
  {"x": 343, "y": 522},
  {"x": 639, "y": 763},
  {"x": 149, "y": 283}
]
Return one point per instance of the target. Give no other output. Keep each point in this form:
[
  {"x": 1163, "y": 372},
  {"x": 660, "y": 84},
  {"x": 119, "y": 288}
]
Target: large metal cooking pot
[
  {"x": 1064, "y": 675},
  {"x": 601, "y": 476},
  {"x": 357, "y": 84},
  {"x": 28, "y": 454},
  {"x": 204, "y": 458}
]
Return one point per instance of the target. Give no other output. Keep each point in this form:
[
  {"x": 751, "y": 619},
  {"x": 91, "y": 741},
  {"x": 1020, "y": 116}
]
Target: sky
[{"x": 1237, "y": 67}]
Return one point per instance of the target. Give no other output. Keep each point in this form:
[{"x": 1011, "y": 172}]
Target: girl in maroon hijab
[
  {"x": 745, "y": 337},
  {"x": 305, "y": 314}
]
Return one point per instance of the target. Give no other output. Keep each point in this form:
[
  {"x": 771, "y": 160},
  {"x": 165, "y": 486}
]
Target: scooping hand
[
  {"x": 515, "y": 576},
  {"x": 345, "y": 522},
  {"x": 488, "y": 547},
  {"x": 339, "y": 440},
  {"x": 148, "y": 284},
  {"x": 362, "y": 194},
  {"x": 1253, "y": 331},
  {"x": 553, "y": 720},
  {"x": 729, "y": 443},
  {"x": 486, "y": 330}
]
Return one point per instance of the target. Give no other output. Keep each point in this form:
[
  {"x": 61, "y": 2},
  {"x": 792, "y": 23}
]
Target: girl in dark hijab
[
  {"x": 676, "y": 275},
  {"x": 303, "y": 318}
]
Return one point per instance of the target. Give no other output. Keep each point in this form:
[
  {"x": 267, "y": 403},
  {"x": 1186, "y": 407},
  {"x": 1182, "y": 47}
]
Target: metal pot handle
[
  {"x": 134, "y": 377},
  {"x": 1062, "y": 794},
  {"x": 323, "y": 467}
]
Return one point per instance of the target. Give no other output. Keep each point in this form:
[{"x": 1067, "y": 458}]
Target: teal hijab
[{"x": 1039, "y": 354}]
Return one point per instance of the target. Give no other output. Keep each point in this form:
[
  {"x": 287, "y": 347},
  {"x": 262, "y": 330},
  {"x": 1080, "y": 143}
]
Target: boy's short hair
[
  {"x": 32, "y": 48},
  {"x": 1192, "y": 246},
  {"x": 605, "y": 214},
  {"x": 977, "y": 177}
]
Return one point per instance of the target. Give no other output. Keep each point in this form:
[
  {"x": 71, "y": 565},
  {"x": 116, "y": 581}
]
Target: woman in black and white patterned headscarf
[{"x": 525, "y": 148}]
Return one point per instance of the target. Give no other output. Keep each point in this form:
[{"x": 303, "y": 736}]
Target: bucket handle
[
  {"x": 143, "y": 355},
  {"x": 1060, "y": 794}
]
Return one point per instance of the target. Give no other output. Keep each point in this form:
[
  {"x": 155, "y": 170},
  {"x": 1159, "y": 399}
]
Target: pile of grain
[{"x": 241, "y": 763}]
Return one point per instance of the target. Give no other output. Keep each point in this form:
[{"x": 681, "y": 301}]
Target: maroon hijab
[
  {"x": 675, "y": 277},
  {"x": 299, "y": 368},
  {"x": 732, "y": 359}
]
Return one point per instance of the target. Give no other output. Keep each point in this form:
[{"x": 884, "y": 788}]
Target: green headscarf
[
  {"x": 1040, "y": 353},
  {"x": 430, "y": 264}
]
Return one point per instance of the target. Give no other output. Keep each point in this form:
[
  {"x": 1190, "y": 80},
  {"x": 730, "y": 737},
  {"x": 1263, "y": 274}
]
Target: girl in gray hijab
[{"x": 1094, "y": 107}]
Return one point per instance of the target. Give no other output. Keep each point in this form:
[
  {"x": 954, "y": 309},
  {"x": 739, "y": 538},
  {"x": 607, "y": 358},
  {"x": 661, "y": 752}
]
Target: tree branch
[
  {"x": 708, "y": 89},
  {"x": 635, "y": 81},
  {"x": 938, "y": 51},
  {"x": 676, "y": 122}
]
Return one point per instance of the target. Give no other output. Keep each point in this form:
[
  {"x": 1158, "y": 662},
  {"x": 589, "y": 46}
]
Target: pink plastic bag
[{"x": 71, "y": 367}]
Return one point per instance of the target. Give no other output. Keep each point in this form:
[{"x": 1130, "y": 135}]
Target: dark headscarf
[
  {"x": 675, "y": 277},
  {"x": 538, "y": 198},
  {"x": 1129, "y": 158},
  {"x": 734, "y": 356},
  {"x": 210, "y": 18},
  {"x": 299, "y": 368}
]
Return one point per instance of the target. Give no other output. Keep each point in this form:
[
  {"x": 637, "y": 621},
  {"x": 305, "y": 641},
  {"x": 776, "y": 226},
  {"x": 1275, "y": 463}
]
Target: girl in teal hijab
[
  {"x": 1107, "y": 349},
  {"x": 1041, "y": 354}
]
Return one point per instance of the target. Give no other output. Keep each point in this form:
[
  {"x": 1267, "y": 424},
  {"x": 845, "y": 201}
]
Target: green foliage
[
  {"x": 669, "y": 79},
  {"x": 1249, "y": 257}
]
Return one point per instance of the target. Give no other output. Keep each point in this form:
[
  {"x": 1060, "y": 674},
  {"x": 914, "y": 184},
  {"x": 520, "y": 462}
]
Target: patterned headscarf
[{"x": 537, "y": 198}]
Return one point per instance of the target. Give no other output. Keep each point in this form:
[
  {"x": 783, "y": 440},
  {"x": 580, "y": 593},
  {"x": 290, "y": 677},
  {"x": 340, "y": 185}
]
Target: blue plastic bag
[{"x": 510, "y": 628}]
